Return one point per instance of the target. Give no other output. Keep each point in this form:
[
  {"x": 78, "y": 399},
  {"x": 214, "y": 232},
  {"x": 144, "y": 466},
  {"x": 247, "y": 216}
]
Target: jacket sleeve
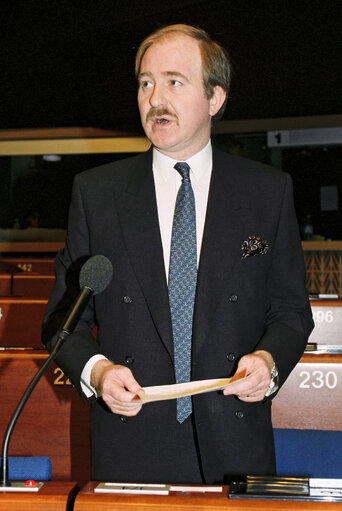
[
  {"x": 80, "y": 346},
  {"x": 288, "y": 315}
]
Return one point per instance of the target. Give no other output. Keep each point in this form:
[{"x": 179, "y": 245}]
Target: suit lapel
[
  {"x": 220, "y": 250},
  {"x": 220, "y": 246},
  {"x": 141, "y": 233}
]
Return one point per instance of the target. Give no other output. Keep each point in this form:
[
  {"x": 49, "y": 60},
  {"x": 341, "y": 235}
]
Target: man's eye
[
  {"x": 145, "y": 84},
  {"x": 175, "y": 83}
]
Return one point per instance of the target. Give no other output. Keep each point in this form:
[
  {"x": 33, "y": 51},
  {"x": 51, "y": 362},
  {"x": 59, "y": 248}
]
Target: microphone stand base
[{"x": 22, "y": 486}]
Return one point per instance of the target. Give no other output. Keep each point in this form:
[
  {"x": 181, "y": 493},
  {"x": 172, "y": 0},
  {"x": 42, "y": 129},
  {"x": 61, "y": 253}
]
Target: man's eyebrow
[
  {"x": 176, "y": 73},
  {"x": 148, "y": 74},
  {"x": 144, "y": 74}
]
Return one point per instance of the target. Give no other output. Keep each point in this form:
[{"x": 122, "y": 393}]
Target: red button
[{"x": 30, "y": 482}]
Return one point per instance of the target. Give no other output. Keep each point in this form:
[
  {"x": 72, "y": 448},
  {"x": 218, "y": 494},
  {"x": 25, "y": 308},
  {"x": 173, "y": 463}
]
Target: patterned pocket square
[{"x": 253, "y": 246}]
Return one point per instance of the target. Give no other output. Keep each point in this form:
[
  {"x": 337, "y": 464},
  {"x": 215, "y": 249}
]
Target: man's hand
[
  {"x": 254, "y": 388},
  {"x": 118, "y": 387}
]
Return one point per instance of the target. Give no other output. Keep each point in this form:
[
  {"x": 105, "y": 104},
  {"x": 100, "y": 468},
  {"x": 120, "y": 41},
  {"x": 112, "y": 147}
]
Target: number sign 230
[{"x": 318, "y": 379}]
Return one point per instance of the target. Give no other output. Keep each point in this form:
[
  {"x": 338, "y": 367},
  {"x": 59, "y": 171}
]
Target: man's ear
[{"x": 216, "y": 100}]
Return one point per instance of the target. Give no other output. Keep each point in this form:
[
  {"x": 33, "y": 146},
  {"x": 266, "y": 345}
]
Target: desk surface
[
  {"x": 87, "y": 500},
  {"x": 53, "y": 496}
]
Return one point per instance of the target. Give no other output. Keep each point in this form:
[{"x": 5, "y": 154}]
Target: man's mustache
[{"x": 159, "y": 112}]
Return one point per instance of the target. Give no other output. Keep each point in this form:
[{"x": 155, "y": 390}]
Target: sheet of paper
[
  {"x": 162, "y": 392},
  {"x": 196, "y": 489},
  {"x": 133, "y": 488},
  {"x": 154, "y": 489}
]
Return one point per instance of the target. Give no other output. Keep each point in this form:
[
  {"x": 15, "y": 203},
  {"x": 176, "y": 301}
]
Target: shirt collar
[{"x": 200, "y": 163}]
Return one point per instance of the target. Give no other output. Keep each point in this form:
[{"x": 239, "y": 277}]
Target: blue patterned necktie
[{"x": 182, "y": 283}]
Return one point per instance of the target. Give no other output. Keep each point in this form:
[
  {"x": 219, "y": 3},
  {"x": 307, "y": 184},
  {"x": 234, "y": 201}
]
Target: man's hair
[{"x": 216, "y": 65}]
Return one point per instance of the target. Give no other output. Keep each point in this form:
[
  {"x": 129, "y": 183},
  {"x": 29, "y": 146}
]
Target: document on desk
[{"x": 163, "y": 392}]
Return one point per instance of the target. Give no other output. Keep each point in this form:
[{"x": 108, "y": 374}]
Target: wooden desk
[
  {"x": 87, "y": 500},
  {"x": 311, "y": 398},
  {"x": 21, "y": 321},
  {"x": 28, "y": 264},
  {"x": 53, "y": 496},
  {"x": 19, "y": 247},
  {"x": 26, "y": 285},
  {"x": 54, "y": 422}
]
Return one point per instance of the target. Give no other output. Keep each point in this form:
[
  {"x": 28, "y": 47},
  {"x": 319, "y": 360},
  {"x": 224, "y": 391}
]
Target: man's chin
[{"x": 161, "y": 141}]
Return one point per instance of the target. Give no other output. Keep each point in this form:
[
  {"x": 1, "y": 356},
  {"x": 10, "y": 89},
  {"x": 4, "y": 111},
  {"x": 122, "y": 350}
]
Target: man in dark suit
[{"x": 250, "y": 312}]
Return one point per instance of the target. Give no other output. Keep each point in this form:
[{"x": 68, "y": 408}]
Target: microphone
[{"x": 95, "y": 275}]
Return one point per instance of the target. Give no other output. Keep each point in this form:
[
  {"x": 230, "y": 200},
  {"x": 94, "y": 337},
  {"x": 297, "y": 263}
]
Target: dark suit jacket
[{"x": 241, "y": 305}]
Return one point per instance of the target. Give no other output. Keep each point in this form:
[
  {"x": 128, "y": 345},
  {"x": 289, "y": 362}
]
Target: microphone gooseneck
[{"x": 95, "y": 275}]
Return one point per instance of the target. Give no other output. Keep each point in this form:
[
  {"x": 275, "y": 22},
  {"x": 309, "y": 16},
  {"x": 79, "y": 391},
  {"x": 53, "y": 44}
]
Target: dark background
[{"x": 70, "y": 62}]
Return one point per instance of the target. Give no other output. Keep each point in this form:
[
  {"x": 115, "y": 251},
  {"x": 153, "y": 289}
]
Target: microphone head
[{"x": 96, "y": 273}]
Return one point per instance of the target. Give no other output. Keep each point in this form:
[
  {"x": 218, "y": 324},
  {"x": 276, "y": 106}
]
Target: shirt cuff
[{"x": 86, "y": 386}]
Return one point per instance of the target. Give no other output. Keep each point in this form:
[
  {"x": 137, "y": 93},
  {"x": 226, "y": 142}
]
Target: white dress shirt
[{"x": 167, "y": 181}]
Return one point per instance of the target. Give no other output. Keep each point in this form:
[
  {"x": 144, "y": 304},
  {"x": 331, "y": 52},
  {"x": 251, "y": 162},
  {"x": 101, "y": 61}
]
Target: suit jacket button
[
  {"x": 231, "y": 357},
  {"x": 129, "y": 360},
  {"x": 127, "y": 299},
  {"x": 123, "y": 418},
  {"x": 239, "y": 414},
  {"x": 233, "y": 298}
]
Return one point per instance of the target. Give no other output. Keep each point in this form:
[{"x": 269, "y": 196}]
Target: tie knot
[{"x": 183, "y": 168}]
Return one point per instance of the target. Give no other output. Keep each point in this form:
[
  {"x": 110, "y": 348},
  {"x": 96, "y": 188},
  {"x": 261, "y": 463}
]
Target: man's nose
[{"x": 157, "y": 97}]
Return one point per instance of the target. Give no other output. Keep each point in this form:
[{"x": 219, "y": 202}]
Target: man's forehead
[
  {"x": 175, "y": 39},
  {"x": 179, "y": 44}
]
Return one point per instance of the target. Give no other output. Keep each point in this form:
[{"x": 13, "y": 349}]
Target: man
[{"x": 250, "y": 311}]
